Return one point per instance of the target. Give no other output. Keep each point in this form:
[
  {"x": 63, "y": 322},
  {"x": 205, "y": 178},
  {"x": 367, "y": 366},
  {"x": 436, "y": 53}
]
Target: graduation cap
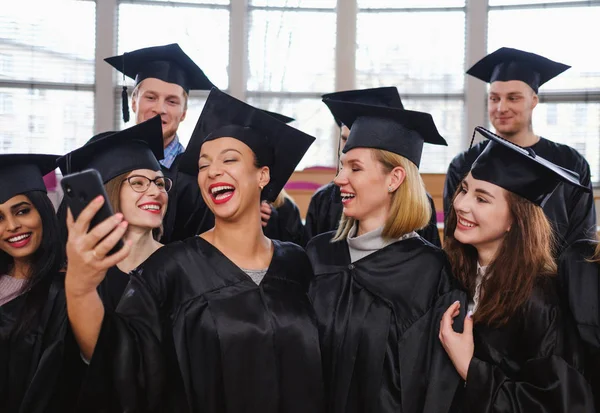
[
  {"x": 520, "y": 170},
  {"x": 115, "y": 153},
  {"x": 279, "y": 116},
  {"x": 379, "y": 96},
  {"x": 512, "y": 64},
  {"x": 395, "y": 130},
  {"x": 168, "y": 63},
  {"x": 20, "y": 173},
  {"x": 275, "y": 144}
]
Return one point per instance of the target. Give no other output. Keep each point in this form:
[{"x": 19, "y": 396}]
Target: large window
[
  {"x": 419, "y": 47},
  {"x": 291, "y": 61},
  {"x": 200, "y": 27},
  {"x": 570, "y": 108},
  {"x": 46, "y": 76}
]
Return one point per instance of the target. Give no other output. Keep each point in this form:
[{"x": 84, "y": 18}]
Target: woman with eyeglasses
[{"x": 137, "y": 191}]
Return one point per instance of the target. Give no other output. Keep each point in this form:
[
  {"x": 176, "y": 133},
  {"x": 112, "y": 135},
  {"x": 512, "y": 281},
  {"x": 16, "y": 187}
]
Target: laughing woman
[
  {"x": 137, "y": 191},
  {"x": 220, "y": 322},
  {"x": 32, "y": 305},
  {"x": 380, "y": 289},
  {"x": 516, "y": 352}
]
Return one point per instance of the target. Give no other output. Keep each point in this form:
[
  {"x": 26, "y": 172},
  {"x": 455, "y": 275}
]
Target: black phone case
[{"x": 80, "y": 189}]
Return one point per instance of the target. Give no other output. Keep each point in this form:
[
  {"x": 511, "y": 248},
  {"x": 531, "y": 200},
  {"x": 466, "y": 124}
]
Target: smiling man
[
  {"x": 164, "y": 76},
  {"x": 514, "y": 78}
]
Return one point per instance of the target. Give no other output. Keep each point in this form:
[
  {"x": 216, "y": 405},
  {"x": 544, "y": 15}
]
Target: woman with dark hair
[
  {"x": 380, "y": 289},
  {"x": 517, "y": 352},
  {"x": 136, "y": 189},
  {"x": 32, "y": 305},
  {"x": 579, "y": 280},
  {"x": 220, "y": 322}
]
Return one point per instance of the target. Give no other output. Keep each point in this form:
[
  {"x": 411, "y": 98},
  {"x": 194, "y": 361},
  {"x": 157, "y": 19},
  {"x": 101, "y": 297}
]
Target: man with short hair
[
  {"x": 514, "y": 78},
  {"x": 163, "y": 76}
]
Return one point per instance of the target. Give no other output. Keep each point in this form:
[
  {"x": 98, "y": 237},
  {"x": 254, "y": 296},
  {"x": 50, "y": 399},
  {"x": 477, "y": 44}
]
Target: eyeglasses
[{"x": 140, "y": 183}]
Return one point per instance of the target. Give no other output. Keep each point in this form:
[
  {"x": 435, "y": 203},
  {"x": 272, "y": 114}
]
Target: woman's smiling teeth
[{"x": 19, "y": 237}]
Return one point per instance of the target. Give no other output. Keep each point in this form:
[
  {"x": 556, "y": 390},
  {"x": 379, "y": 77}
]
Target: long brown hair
[
  {"x": 113, "y": 190},
  {"x": 596, "y": 256},
  {"x": 526, "y": 253}
]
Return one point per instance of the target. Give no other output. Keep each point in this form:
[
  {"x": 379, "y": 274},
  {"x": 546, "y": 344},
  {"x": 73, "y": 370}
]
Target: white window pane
[
  {"x": 314, "y": 4},
  {"x": 574, "y": 124},
  {"x": 217, "y": 2},
  {"x": 291, "y": 51},
  {"x": 36, "y": 45},
  {"x": 312, "y": 117},
  {"x": 521, "y": 2},
  {"x": 202, "y": 33},
  {"x": 45, "y": 121},
  {"x": 420, "y": 52},
  {"x": 448, "y": 116},
  {"x": 382, "y": 4},
  {"x": 186, "y": 127},
  {"x": 566, "y": 35}
]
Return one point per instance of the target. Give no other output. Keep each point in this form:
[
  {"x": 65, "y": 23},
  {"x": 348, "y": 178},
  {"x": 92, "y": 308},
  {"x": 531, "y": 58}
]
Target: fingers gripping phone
[{"x": 80, "y": 189}]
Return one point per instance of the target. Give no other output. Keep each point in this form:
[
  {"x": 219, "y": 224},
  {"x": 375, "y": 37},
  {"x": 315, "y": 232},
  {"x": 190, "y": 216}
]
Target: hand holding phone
[{"x": 79, "y": 190}]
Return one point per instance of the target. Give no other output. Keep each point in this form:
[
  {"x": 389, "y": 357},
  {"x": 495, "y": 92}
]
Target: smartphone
[{"x": 80, "y": 189}]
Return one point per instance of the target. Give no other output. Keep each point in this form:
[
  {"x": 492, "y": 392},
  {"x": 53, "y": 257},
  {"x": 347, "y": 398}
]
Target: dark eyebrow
[
  {"x": 19, "y": 205},
  {"x": 224, "y": 151},
  {"x": 483, "y": 191}
]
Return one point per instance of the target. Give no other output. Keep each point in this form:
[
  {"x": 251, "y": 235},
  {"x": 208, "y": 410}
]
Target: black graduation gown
[
  {"x": 528, "y": 364},
  {"x": 570, "y": 210},
  {"x": 325, "y": 210},
  {"x": 379, "y": 320},
  {"x": 580, "y": 288},
  {"x": 194, "y": 333},
  {"x": 187, "y": 214},
  {"x": 31, "y": 363},
  {"x": 111, "y": 288},
  {"x": 285, "y": 224}
]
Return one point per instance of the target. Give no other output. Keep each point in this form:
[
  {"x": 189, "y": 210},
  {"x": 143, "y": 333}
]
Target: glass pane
[
  {"x": 561, "y": 34},
  {"x": 521, "y": 2},
  {"x": 309, "y": 4},
  {"x": 195, "y": 105},
  {"x": 574, "y": 124},
  {"x": 175, "y": 3},
  {"x": 203, "y": 33},
  {"x": 398, "y": 4},
  {"x": 312, "y": 117},
  {"x": 390, "y": 51},
  {"x": 35, "y": 45},
  {"x": 291, "y": 51},
  {"x": 448, "y": 116},
  {"x": 45, "y": 121}
]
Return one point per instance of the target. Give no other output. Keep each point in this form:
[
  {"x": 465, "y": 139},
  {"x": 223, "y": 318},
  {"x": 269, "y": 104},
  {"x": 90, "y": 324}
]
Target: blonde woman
[{"x": 380, "y": 290}]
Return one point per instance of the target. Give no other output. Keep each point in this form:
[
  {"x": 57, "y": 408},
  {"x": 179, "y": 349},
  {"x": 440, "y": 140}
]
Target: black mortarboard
[
  {"x": 279, "y": 116},
  {"x": 115, "y": 153},
  {"x": 395, "y": 130},
  {"x": 275, "y": 144},
  {"x": 379, "y": 96},
  {"x": 21, "y": 173},
  {"x": 520, "y": 170},
  {"x": 512, "y": 64},
  {"x": 168, "y": 63}
]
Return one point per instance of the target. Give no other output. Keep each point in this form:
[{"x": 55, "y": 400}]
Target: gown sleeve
[
  {"x": 129, "y": 367},
  {"x": 544, "y": 383},
  {"x": 582, "y": 219}
]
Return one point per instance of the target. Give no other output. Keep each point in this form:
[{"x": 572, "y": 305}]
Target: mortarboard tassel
[{"x": 125, "y": 104}]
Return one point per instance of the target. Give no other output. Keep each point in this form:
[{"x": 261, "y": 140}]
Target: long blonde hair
[{"x": 409, "y": 210}]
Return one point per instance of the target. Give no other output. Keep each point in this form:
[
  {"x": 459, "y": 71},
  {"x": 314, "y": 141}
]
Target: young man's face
[
  {"x": 510, "y": 107},
  {"x": 156, "y": 97}
]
